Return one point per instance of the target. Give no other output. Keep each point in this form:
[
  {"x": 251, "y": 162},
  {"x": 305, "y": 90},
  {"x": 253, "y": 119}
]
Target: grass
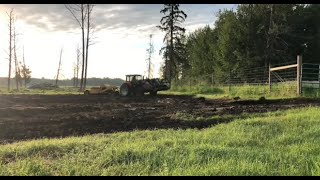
[
  {"x": 311, "y": 92},
  {"x": 287, "y": 90},
  {"x": 242, "y": 91},
  {"x": 278, "y": 143}
]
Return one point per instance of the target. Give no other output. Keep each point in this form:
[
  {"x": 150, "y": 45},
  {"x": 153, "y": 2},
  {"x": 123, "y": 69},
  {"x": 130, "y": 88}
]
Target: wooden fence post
[
  {"x": 270, "y": 82},
  {"x": 319, "y": 79},
  {"x": 212, "y": 80},
  {"x": 229, "y": 82},
  {"x": 299, "y": 73},
  {"x": 190, "y": 84}
]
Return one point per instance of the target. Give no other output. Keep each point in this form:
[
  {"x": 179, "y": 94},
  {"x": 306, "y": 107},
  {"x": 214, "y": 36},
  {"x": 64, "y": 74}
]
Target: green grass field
[{"x": 278, "y": 143}]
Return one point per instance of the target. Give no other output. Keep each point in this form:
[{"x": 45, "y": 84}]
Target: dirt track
[{"x": 37, "y": 116}]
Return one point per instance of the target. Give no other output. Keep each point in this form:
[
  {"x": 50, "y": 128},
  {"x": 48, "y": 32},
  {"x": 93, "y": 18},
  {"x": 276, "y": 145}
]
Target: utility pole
[
  {"x": 57, "y": 78},
  {"x": 150, "y": 51}
]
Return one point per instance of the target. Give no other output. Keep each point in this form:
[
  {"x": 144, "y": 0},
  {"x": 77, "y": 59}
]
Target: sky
[{"x": 121, "y": 37}]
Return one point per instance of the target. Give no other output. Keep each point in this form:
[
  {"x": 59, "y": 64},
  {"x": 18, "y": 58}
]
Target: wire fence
[
  {"x": 311, "y": 79},
  {"x": 254, "y": 82},
  {"x": 311, "y": 74}
]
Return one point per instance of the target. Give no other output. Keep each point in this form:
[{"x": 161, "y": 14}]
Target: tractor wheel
[
  {"x": 139, "y": 91},
  {"x": 124, "y": 90},
  {"x": 86, "y": 92},
  {"x": 153, "y": 93}
]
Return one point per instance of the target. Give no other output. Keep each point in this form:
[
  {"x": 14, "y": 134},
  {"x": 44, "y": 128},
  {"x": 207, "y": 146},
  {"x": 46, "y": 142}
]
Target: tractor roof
[{"x": 133, "y": 75}]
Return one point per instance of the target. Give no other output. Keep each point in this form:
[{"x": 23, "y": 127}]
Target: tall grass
[
  {"x": 311, "y": 92},
  {"x": 245, "y": 91},
  {"x": 279, "y": 143}
]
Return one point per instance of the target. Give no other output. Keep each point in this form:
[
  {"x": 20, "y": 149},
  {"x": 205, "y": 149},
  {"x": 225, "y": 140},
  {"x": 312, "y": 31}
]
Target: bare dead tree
[
  {"x": 75, "y": 10},
  {"x": 78, "y": 66},
  {"x": 89, "y": 11},
  {"x": 74, "y": 69},
  {"x": 58, "y": 73},
  {"x": 16, "y": 62},
  {"x": 11, "y": 19},
  {"x": 150, "y": 51},
  {"x": 24, "y": 73},
  {"x": 19, "y": 75}
]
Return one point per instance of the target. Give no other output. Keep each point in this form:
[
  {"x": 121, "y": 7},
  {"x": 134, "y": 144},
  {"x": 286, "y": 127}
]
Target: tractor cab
[{"x": 133, "y": 77}]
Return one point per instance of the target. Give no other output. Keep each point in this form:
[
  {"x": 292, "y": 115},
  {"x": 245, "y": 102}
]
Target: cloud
[{"x": 134, "y": 18}]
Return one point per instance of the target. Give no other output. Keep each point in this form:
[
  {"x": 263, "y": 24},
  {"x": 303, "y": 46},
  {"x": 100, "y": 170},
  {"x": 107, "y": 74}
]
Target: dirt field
[{"x": 37, "y": 116}]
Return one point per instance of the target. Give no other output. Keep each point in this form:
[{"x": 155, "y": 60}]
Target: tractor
[{"x": 136, "y": 85}]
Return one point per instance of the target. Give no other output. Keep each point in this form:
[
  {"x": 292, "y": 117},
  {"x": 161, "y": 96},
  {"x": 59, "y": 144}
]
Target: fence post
[
  {"x": 229, "y": 82},
  {"x": 212, "y": 80},
  {"x": 270, "y": 82},
  {"x": 319, "y": 79},
  {"x": 299, "y": 73},
  {"x": 190, "y": 84}
]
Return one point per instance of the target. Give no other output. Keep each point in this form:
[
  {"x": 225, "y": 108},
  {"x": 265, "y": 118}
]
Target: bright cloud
[{"x": 122, "y": 35}]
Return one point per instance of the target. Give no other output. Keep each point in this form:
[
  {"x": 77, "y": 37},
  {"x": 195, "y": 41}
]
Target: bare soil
[{"x": 24, "y": 117}]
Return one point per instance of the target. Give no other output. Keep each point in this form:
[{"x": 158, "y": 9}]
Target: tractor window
[
  {"x": 129, "y": 78},
  {"x": 138, "y": 78}
]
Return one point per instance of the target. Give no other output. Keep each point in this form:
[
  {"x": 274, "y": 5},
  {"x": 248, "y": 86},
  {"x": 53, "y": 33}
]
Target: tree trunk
[
  {"x": 87, "y": 45},
  {"x": 10, "y": 48},
  {"x": 25, "y": 82},
  {"x": 171, "y": 45},
  {"x": 24, "y": 73},
  {"x": 269, "y": 39},
  {"x": 149, "y": 58},
  {"x": 83, "y": 48},
  {"x": 78, "y": 63},
  {"x": 57, "y": 78},
  {"x": 15, "y": 59},
  {"x": 74, "y": 76}
]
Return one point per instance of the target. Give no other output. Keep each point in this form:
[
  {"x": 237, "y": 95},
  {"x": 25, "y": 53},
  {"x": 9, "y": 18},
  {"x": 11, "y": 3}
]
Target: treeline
[
  {"x": 250, "y": 38},
  {"x": 68, "y": 82}
]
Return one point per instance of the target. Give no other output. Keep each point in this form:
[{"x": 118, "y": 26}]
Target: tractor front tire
[
  {"x": 125, "y": 90},
  {"x": 86, "y": 92}
]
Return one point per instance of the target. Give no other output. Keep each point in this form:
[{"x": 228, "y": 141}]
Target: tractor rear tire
[
  {"x": 153, "y": 93},
  {"x": 124, "y": 90}
]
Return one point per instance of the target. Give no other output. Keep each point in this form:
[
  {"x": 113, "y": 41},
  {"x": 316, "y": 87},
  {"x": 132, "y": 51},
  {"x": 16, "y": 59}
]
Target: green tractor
[{"x": 136, "y": 85}]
